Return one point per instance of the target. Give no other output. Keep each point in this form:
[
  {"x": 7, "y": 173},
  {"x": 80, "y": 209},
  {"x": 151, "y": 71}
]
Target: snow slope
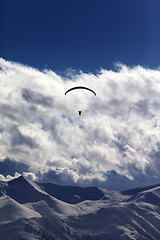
[
  {"x": 10, "y": 210},
  {"x": 28, "y": 211}
]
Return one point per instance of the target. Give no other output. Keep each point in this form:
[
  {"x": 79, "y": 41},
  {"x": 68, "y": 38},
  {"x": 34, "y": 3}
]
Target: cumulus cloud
[
  {"x": 114, "y": 144},
  {"x": 9, "y": 177}
]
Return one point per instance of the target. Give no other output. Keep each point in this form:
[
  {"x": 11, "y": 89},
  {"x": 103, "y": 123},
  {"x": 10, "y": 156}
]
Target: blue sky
[
  {"x": 81, "y": 34},
  {"x": 111, "y": 46}
]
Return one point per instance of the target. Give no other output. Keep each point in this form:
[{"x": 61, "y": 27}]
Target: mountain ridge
[
  {"x": 140, "y": 189},
  {"x": 28, "y": 211}
]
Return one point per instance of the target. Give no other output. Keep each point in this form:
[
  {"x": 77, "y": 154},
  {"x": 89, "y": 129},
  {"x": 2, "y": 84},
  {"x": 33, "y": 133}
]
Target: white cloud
[
  {"x": 9, "y": 177},
  {"x": 119, "y": 128}
]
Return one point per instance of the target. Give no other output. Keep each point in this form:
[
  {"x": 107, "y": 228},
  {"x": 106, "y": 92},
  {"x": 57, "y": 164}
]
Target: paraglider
[
  {"x": 80, "y": 87},
  {"x": 79, "y": 112}
]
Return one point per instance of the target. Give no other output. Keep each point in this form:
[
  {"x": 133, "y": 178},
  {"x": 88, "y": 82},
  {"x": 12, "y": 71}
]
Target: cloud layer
[{"x": 114, "y": 144}]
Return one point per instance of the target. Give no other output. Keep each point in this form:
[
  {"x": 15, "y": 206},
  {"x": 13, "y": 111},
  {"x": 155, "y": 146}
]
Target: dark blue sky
[{"x": 81, "y": 34}]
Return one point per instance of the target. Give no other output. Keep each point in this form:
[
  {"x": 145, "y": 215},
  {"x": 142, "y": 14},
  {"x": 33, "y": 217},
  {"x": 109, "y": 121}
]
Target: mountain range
[{"x": 47, "y": 211}]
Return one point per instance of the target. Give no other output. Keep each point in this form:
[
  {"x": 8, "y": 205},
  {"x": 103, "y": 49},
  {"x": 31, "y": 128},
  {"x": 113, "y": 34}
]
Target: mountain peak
[
  {"x": 20, "y": 179},
  {"x": 24, "y": 190}
]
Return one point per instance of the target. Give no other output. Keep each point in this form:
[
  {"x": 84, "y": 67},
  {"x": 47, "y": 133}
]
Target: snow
[
  {"x": 10, "y": 210},
  {"x": 27, "y": 211}
]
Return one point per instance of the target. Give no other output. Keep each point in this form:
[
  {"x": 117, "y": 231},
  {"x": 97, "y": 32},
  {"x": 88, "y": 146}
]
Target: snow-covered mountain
[{"x": 29, "y": 210}]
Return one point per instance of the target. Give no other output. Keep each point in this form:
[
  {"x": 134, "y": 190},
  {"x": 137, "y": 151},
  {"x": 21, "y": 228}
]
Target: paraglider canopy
[{"x": 80, "y": 87}]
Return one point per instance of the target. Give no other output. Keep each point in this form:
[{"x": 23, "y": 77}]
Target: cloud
[
  {"x": 117, "y": 136},
  {"x": 11, "y": 166},
  {"x": 18, "y": 138},
  {"x": 36, "y": 98},
  {"x": 9, "y": 177}
]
